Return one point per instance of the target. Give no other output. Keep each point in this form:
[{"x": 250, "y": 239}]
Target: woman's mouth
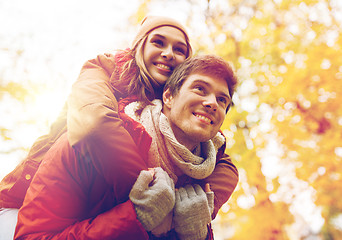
[{"x": 164, "y": 67}]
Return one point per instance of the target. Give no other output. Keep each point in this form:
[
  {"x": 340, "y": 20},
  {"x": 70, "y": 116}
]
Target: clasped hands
[{"x": 159, "y": 206}]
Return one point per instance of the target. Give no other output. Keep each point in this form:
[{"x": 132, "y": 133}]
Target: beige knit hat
[{"x": 150, "y": 23}]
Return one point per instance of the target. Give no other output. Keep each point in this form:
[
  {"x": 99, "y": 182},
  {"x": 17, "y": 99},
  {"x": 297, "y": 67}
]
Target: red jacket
[
  {"x": 91, "y": 116},
  {"x": 70, "y": 198}
]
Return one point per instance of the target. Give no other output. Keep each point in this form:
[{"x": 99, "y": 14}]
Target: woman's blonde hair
[
  {"x": 141, "y": 83},
  {"x": 138, "y": 83}
]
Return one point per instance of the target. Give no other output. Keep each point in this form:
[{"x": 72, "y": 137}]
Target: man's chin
[{"x": 200, "y": 137}]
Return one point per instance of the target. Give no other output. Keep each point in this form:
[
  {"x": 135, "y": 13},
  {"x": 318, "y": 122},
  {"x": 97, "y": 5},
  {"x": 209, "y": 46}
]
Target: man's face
[{"x": 197, "y": 112}]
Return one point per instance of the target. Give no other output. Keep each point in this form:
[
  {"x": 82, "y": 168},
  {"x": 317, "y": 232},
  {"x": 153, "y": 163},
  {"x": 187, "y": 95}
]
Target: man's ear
[{"x": 167, "y": 98}]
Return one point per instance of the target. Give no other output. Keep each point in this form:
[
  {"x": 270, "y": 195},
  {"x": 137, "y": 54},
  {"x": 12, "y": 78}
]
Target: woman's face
[{"x": 164, "y": 49}]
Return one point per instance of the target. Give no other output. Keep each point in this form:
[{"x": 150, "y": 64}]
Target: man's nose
[
  {"x": 168, "y": 53},
  {"x": 211, "y": 102}
]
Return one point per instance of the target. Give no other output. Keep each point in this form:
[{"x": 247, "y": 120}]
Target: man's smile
[{"x": 203, "y": 118}]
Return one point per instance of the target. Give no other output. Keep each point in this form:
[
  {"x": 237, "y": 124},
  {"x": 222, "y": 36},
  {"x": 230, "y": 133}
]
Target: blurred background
[{"x": 284, "y": 133}]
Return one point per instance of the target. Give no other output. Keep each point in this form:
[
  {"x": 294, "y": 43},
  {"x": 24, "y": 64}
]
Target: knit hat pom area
[{"x": 150, "y": 23}]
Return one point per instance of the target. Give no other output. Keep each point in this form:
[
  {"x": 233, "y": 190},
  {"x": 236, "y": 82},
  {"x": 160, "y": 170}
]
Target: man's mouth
[{"x": 204, "y": 118}]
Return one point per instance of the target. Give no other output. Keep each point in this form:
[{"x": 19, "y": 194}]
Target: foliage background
[{"x": 284, "y": 133}]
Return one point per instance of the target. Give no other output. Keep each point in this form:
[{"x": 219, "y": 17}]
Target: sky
[{"x": 45, "y": 43}]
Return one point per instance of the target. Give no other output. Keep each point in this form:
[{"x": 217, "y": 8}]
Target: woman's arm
[
  {"x": 94, "y": 127},
  {"x": 92, "y": 122},
  {"x": 69, "y": 199},
  {"x": 92, "y": 99}
]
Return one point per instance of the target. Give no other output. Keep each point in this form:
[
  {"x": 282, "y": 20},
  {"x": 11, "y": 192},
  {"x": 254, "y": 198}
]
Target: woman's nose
[{"x": 168, "y": 53}]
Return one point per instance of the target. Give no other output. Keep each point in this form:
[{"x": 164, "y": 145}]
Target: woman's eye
[
  {"x": 180, "y": 51},
  {"x": 158, "y": 42}
]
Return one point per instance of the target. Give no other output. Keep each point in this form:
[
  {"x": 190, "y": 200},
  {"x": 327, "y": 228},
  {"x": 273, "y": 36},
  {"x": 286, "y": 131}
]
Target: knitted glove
[
  {"x": 210, "y": 197},
  {"x": 152, "y": 199},
  {"x": 191, "y": 213},
  {"x": 165, "y": 226}
]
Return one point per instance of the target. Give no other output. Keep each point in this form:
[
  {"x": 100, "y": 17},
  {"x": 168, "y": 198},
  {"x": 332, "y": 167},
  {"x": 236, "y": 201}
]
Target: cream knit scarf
[{"x": 166, "y": 152}]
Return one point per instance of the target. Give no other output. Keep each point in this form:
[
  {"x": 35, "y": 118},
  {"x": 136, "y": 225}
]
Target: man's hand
[
  {"x": 191, "y": 213},
  {"x": 210, "y": 198}
]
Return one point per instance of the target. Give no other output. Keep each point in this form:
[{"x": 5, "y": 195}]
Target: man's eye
[
  {"x": 199, "y": 88},
  {"x": 222, "y": 99}
]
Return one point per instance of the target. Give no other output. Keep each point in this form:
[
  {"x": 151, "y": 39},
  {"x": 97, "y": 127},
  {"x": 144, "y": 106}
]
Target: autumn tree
[{"x": 284, "y": 132}]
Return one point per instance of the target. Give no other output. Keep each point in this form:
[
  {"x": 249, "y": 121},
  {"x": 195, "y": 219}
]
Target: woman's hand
[{"x": 153, "y": 196}]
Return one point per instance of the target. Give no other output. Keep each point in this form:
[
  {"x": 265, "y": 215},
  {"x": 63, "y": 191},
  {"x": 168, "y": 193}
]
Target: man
[{"x": 69, "y": 198}]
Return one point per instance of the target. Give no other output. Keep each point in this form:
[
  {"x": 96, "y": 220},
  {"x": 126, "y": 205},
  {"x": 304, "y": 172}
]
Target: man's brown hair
[{"x": 210, "y": 65}]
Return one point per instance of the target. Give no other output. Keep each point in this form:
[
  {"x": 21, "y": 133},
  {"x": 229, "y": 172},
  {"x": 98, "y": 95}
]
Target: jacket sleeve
[
  {"x": 68, "y": 199},
  {"x": 222, "y": 181},
  {"x": 94, "y": 127},
  {"x": 105, "y": 226},
  {"x": 91, "y": 100}
]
